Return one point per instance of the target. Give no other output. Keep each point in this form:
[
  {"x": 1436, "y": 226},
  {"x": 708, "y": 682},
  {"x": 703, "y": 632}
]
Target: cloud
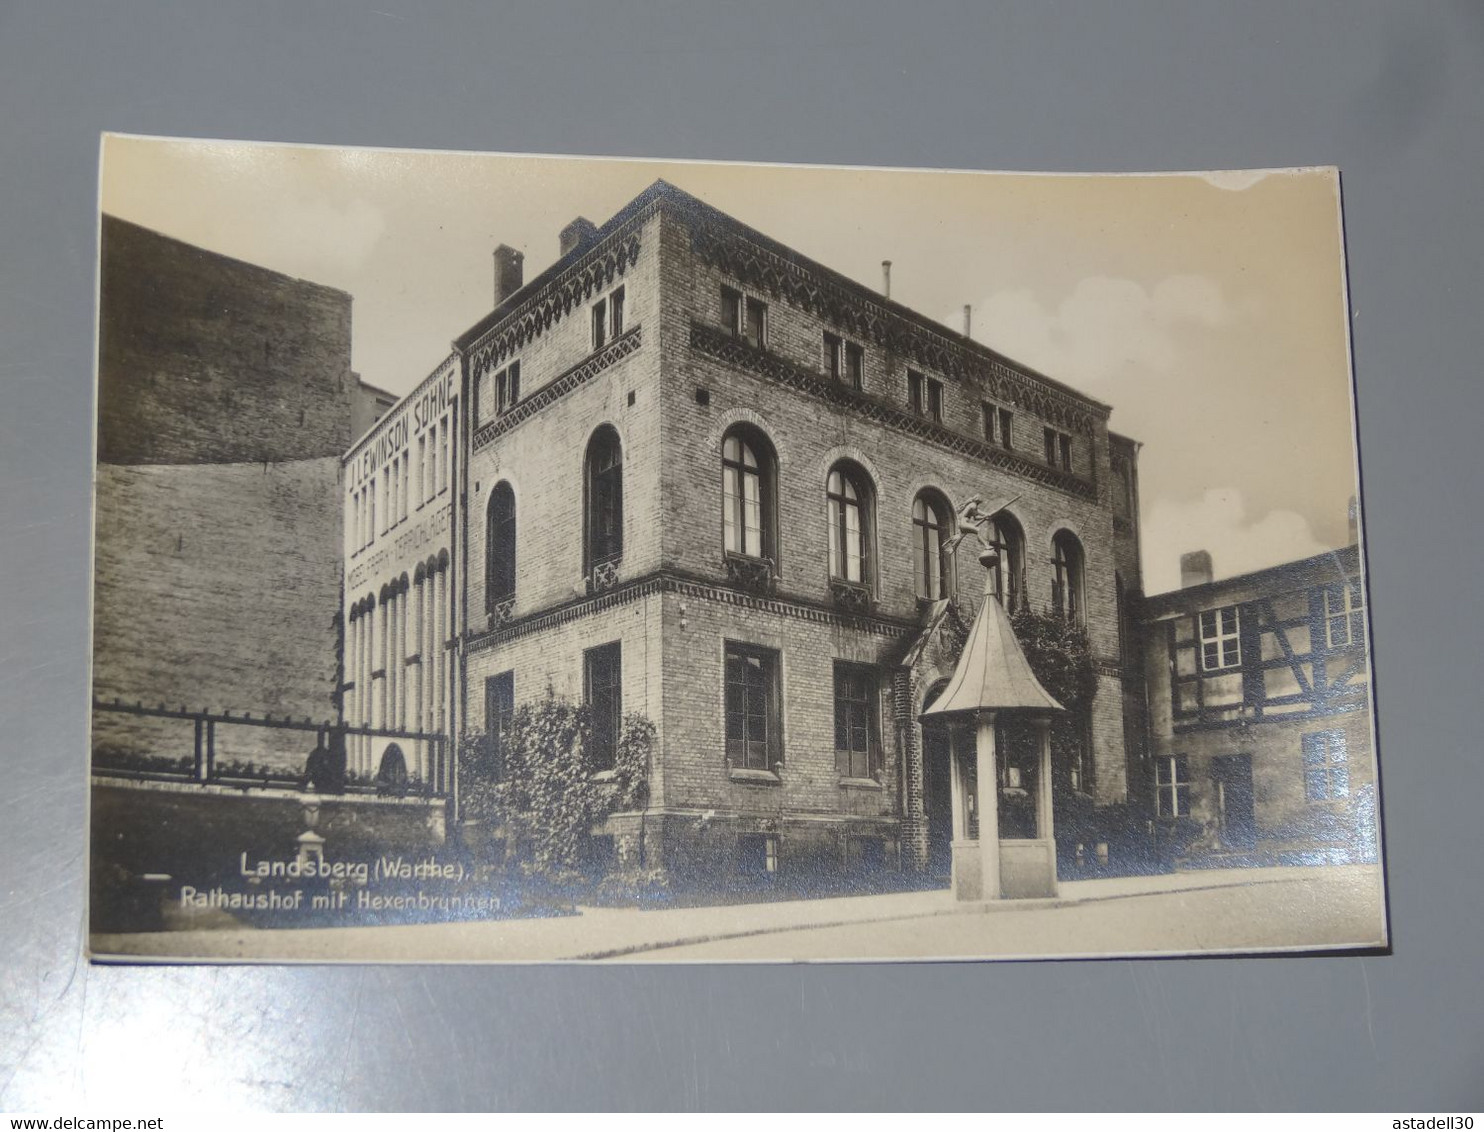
[
  {"x": 1103, "y": 326},
  {"x": 1218, "y": 522}
]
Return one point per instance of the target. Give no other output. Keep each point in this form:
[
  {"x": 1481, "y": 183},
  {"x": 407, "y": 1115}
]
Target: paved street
[{"x": 1257, "y": 909}]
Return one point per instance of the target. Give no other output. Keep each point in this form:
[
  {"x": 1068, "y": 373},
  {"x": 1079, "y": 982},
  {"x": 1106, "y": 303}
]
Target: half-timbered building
[{"x": 1260, "y": 713}]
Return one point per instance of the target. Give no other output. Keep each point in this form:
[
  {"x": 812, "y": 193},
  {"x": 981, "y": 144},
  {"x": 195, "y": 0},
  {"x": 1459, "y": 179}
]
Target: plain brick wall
[
  {"x": 216, "y": 587},
  {"x": 206, "y": 359},
  {"x": 225, "y": 401}
]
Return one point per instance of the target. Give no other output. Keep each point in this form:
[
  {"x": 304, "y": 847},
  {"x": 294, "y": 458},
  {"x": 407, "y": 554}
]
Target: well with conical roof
[{"x": 992, "y": 681}]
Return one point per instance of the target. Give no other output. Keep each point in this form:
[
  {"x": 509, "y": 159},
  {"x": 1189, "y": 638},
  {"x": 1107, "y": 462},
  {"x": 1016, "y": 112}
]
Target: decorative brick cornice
[
  {"x": 553, "y": 300},
  {"x": 672, "y": 582},
  {"x": 850, "y": 307},
  {"x": 726, "y": 348},
  {"x": 585, "y": 370}
]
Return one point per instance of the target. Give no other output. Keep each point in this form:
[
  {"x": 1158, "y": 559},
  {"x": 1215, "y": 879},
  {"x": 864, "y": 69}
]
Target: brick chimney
[
  {"x": 577, "y": 234},
  {"x": 1195, "y": 569},
  {"x": 509, "y": 272}
]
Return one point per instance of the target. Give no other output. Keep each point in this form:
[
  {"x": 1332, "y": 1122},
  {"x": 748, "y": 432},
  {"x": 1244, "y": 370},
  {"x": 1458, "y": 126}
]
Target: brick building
[
  {"x": 1260, "y": 714},
  {"x": 225, "y": 402},
  {"x": 398, "y": 489},
  {"x": 706, "y": 479}
]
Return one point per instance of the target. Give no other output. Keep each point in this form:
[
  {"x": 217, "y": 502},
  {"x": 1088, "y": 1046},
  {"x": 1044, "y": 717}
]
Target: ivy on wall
[{"x": 545, "y": 790}]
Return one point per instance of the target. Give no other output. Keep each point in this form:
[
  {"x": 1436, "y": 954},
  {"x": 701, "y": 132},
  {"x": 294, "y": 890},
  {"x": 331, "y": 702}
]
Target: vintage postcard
[{"x": 545, "y": 558}]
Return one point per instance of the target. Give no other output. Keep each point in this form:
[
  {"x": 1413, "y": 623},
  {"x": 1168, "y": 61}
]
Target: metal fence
[{"x": 328, "y": 774}]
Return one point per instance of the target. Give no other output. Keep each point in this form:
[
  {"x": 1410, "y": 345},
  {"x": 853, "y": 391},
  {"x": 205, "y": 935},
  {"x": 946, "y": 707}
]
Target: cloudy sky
[{"x": 1207, "y": 309}]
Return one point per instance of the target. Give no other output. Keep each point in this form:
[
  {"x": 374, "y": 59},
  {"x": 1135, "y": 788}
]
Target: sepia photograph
[{"x": 536, "y": 558}]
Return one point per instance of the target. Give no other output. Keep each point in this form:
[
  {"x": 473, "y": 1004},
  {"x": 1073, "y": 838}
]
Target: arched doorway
[{"x": 391, "y": 776}]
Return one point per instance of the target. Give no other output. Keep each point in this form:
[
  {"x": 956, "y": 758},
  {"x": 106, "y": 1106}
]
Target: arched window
[
  {"x": 747, "y": 489},
  {"x": 1008, "y": 572},
  {"x": 499, "y": 560},
  {"x": 931, "y": 523},
  {"x": 1066, "y": 575},
  {"x": 849, "y": 497},
  {"x": 603, "y": 526}
]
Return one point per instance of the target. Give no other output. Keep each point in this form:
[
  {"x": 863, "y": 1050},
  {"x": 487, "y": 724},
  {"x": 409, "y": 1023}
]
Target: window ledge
[
  {"x": 603, "y": 776},
  {"x": 861, "y": 784},
  {"x": 756, "y": 777}
]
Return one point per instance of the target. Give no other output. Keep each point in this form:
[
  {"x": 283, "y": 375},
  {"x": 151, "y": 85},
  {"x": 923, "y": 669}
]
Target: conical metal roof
[{"x": 992, "y": 673}]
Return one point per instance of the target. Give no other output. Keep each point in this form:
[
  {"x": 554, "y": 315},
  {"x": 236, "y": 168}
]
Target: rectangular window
[
  {"x": 990, "y": 419},
  {"x": 443, "y": 454},
  {"x": 935, "y": 399},
  {"x": 756, "y": 329},
  {"x": 615, "y": 313},
  {"x": 1058, "y": 449},
  {"x": 757, "y": 854},
  {"x": 1007, "y": 435},
  {"x": 844, "y": 361},
  {"x": 422, "y": 470},
  {"x": 406, "y": 478},
  {"x": 1326, "y": 766},
  {"x": 499, "y": 707},
  {"x": 857, "y": 721},
  {"x": 855, "y": 365},
  {"x": 1344, "y": 615},
  {"x": 1172, "y": 782},
  {"x": 916, "y": 392},
  {"x": 371, "y": 513},
  {"x": 1221, "y": 643},
  {"x": 507, "y": 388},
  {"x": 602, "y": 692},
  {"x": 752, "y": 731},
  {"x": 600, "y": 323},
  {"x": 745, "y": 317},
  {"x": 731, "y": 310}
]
